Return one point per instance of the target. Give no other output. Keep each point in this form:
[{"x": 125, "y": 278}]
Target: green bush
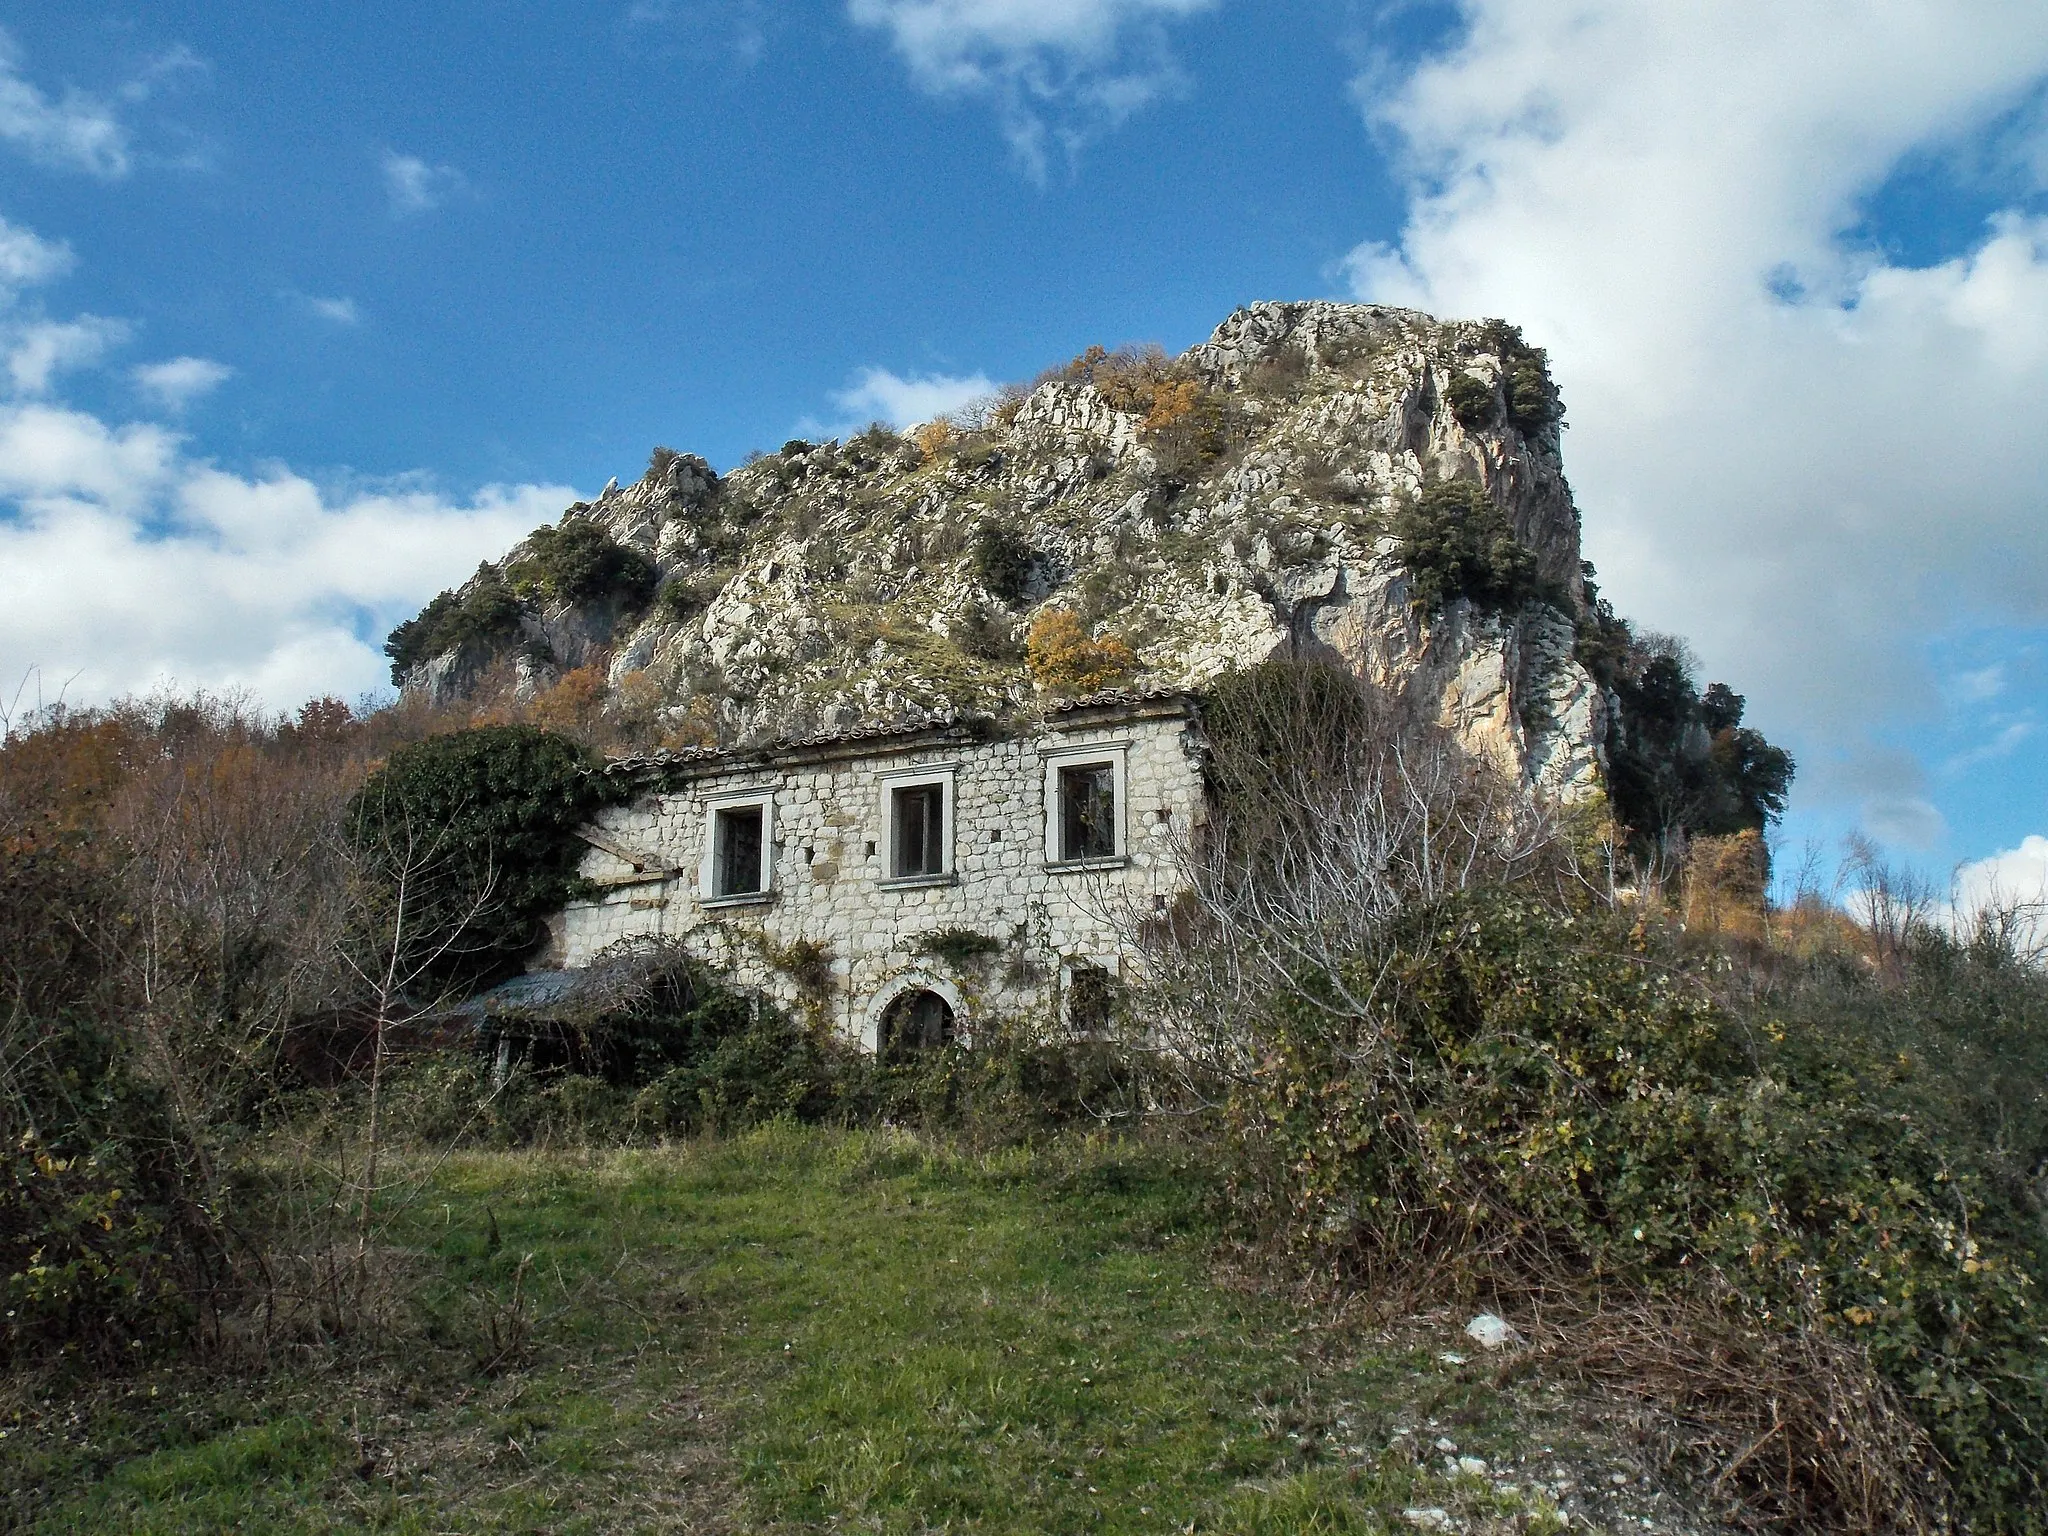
[
  {"x": 1544, "y": 1102},
  {"x": 475, "y": 832},
  {"x": 483, "y": 615},
  {"x": 1002, "y": 562},
  {"x": 1532, "y": 398},
  {"x": 579, "y": 562},
  {"x": 101, "y": 1245},
  {"x": 1472, "y": 401},
  {"x": 1456, "y": 543}
]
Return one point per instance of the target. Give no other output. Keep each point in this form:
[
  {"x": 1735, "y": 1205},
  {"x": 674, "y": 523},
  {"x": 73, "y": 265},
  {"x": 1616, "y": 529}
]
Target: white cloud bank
[
  {"x": 1056, "y": 71},
  {"x": 1806, "y": 457},
  {"x": 127, "y": 562},
  {"x": 2014, "y": 882}
]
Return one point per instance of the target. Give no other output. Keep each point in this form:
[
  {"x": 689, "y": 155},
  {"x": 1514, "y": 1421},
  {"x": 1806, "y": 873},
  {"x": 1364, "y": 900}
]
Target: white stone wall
[{"x": 827, "y": 888}]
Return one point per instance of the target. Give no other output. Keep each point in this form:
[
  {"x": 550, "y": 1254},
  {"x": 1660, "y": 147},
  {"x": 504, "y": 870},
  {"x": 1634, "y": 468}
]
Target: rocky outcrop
[{"x": 895, "y": 578}]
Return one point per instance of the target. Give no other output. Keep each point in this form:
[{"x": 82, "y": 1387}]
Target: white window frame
[
  {"x": 1114, "y": 753},
  {"x": 707, "y": 874},
  {"x": 945, "y": 777}
]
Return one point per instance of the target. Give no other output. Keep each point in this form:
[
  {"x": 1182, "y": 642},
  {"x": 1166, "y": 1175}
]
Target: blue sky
[{"x": 305, "y": 310}]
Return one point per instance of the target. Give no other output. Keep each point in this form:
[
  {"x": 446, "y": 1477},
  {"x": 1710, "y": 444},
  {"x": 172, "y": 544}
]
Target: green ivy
[{"x": 481, "y": 825}]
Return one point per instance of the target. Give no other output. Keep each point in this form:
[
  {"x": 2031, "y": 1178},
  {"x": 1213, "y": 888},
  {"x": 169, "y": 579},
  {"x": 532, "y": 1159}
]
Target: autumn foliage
[{"x": 1064, "y": 659}]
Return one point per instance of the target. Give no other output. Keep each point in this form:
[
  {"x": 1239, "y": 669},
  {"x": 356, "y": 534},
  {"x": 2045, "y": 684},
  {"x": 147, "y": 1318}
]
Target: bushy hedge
[
  {"x": 100, "y": 1246},
  {"x": 479, "y": 825},
  {"x": 1546, "y": 1101}
]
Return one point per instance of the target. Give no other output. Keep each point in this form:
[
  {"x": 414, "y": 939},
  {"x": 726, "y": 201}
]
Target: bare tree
[{"x": 1332, "y": 815}]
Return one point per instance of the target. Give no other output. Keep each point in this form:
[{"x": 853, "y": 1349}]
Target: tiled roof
[{"x": 951, "y": 726}]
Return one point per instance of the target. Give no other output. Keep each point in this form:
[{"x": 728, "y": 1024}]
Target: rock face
[{"x": 1252, "y": 512}]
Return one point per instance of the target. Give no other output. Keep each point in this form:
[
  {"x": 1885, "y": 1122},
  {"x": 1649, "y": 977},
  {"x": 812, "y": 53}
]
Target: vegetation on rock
[{"x": 1456, "y": 543}]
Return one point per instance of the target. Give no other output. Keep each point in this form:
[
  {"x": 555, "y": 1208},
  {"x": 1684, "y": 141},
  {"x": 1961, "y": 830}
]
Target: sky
[{"x": 304, "y": 311}]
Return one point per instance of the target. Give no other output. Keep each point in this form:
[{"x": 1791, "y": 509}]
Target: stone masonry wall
[{"x": 829, "y": 869}]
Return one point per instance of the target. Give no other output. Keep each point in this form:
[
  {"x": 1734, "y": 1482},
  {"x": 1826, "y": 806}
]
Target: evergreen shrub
[
  {"x": 477, "y": 829},
  {"x": 1456, "y": 543}
]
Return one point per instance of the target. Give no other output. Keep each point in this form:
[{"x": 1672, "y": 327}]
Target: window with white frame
[
  {"x": 1084, "y": 802},
  {"x": 918, "y": 815},
  {"x": 739, "y": 839}
]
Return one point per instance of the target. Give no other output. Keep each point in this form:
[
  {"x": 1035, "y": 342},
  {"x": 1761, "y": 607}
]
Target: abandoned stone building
[{"x": 907, "y": 882}]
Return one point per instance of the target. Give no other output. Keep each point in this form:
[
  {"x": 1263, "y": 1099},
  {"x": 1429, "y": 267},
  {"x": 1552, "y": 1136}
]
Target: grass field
[{"x": 796, "y": 1330}]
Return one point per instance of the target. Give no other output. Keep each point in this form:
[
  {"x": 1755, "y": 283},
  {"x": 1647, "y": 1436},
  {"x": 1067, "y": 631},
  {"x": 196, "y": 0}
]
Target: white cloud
[
  {"x": 879, "y": 395},
  {"x": 26, "y": 259},
  {"x": 77, "y": 132},
  {"x": 2014, "y": 882},
  {"x": 127, "y": 563},
  {"x": 40, "y": 350},
  {"x": 1812, "y": 487},
  {"x": 341, "y": 311},
  {"x": 176, "y": 382},
  {"x": 1056, "y": 71},
  {"x": 417, "y": 187}
]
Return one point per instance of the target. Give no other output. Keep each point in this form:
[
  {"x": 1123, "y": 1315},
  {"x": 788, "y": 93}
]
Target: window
[
  {"x": 1087, "y": 812},
  {"x": 1091, "y": 998},
  {"x": 738, "y": 848},
  {"x": 917, "y": 826},
  {"x": 918, "y": 813},
  {"x": 739, "y": 852},
  {"x": 1084, "y": 805}
]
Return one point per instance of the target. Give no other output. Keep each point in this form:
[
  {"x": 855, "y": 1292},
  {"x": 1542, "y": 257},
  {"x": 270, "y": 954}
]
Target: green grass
[{"x": 796, "y": 1330}]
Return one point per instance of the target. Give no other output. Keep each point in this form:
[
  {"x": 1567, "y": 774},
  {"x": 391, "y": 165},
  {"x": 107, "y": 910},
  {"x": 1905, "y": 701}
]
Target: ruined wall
[{"x": 830, "y": 885}]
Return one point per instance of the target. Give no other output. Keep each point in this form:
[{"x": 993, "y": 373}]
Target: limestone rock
[{"x": 845, "y": 582}]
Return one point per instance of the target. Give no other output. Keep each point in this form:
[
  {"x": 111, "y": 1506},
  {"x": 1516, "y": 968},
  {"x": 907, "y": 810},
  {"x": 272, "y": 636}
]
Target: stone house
[{"x": 902, "y": 884}]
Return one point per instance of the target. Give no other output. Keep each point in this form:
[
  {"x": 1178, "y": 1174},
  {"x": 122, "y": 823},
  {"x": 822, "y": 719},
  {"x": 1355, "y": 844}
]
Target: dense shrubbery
[
  {"x": 99, "y": 1234},
  {"x": 483, "y": 615},
  {"x": 470, "y": 838},
  {"x": 1545, "y": 1103},
  {"x": 1456, "y": 543},
  {"x": 666, "y": 1048},
  {"x": 1472, "y": 401},
  {"x": 1681, "y": 763},
  {"x": 578, "y": 562},
  {"x": 1532, "y": 399},
  {"x": 1064, "y": 658}
]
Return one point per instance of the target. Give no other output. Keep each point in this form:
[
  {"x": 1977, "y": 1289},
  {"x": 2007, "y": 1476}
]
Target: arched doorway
[{"x": 917, "y": 1019}]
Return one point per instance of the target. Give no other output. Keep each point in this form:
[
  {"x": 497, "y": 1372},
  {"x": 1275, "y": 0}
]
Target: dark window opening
[
  {"x": 919, "y": 814},
  {"x": 1088, "y": 812},
  {"x": 916, "y": 1021},
  {"x": 1091, "y": 998},
  {"x": 736, "y": 865}
]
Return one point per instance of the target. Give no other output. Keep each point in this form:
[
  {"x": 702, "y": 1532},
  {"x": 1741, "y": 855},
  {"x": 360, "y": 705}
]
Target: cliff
[{"x": 1271, "y": 488}]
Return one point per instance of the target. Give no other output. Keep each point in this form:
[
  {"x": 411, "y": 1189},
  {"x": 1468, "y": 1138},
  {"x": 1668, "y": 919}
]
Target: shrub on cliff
[
  {"x": 1456, "y": 543},
  {"x": 483, "y": 614},
  {"x": 579, "y": 562},
  {"x": 1064, "y": 658},
  {"x": 1002, "y": 561}
]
